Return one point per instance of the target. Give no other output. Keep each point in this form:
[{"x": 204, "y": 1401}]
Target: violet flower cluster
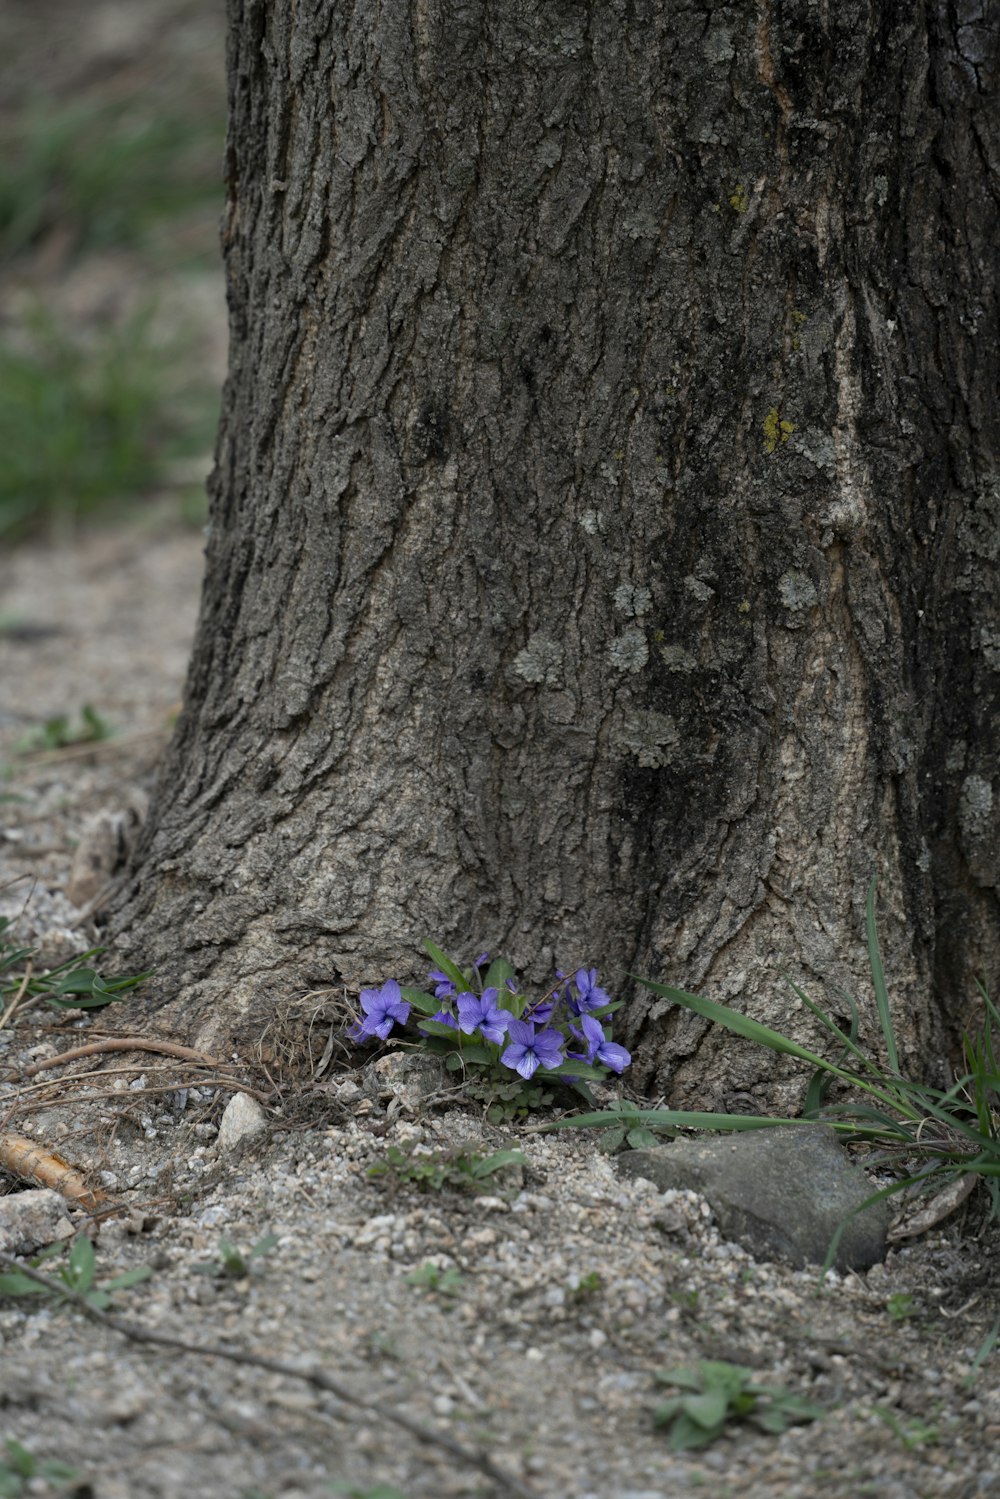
[{"x": 566, "y": 1026}]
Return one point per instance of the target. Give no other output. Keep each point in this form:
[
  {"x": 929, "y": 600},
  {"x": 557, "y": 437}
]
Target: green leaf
[
  {"x": 985, "y": 1349},
  {"x": 130, "y": 981},
  {"x": 57, "y": 1472},
  {"x": 612, "y": 1140},
  {"x": 708, "y": 1409},
  {"x": 475, "y": 1053},
  {"x": 672, "y": 1119},
  {"x": 878, "y": 982},
  {"x": 740, "y": 1025},
  {"x": 78, "y": 981},
  {"x": 127, "y": 1278},
  {"x": 641, "y": 1139},
  {"x": 497, "y": 974},
  {"x": 425, "y": 1003},
  {"x": 94, "y": 1000},
  {"x": 437, "y": 1045},
  {"x": 686, "y": 1434},
  {"x": 82, "y": 1264},
  {"x": 263, "y": 1246},
  {"x": 497, "y": 1161},
  {"x": 438, "y": 1028},
  {"x": 685, "y": 1379},
  {"x": 770, "y": 1418},
  {"x": 20, "y": 1459},
  {"x": 446, "y": 965},
  {"x": 798, "y": 1408},
  {"x": 579, "y": 1086},
  {"x": 577, "y": 1070},
  {"x": 13, "y": 1283},
  {"x": 98, "y": 727}
]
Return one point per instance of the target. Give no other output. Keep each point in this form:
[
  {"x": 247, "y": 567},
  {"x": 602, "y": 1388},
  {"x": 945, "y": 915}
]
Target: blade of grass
[
  {"x": 878, "y": 982},
  {"x": 686, "y": 1119},
  {"x": 446, "y": 966},
  {"x": 986, "y": 1348},
  {"x": 752, "y": 1030}
]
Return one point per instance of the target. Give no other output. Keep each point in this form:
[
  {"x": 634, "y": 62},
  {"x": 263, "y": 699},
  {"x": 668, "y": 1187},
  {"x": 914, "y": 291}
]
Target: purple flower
[
  {"x": 599, "y": 1048},
  {"x": 443, "y": 1017},
  {"x": 382, "y": 1007},
  {"x": 542, "y": 1011},
  {"x": 483, "y": 958},
  {"x": 483, "y": 1013},
  {"x": 527, "y": 1052},
  {"x": 444, "y": 988},
  {"x": 591, "y": 996}
]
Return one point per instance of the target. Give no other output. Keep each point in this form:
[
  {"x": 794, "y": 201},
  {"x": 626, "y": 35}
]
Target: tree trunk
[{"x": 602, "y": 561}]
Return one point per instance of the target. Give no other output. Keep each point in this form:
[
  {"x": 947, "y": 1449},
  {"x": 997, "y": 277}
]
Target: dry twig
[{"x": 123, "y": 1043}]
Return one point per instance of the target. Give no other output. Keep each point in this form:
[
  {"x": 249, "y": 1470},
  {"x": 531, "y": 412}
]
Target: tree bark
[{"x": 602, "y": 561}]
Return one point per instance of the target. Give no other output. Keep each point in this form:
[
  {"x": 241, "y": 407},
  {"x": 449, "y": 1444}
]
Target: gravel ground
[{"x": 573, "y": 1286}]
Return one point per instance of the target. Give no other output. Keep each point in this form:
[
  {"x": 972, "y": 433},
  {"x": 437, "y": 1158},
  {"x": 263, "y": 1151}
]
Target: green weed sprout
[
  {"x": 78, "y": 1275},
  {"x": 72, "y": 985},
  {"x": 60, "y": 731},
  {"x": 232, "y": 1263},
  {"x": 19, "y": 1467},
  {"x": 459, "y": 1170},
  {"x": 716, "y": 1394},
  {"x": 431, "y": 1277}
]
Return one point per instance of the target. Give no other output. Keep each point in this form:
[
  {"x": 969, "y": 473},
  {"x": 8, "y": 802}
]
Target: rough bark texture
[{"x": 606, "y": 515}]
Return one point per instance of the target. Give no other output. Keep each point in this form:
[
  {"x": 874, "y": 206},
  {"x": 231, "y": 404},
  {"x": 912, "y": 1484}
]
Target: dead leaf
[{"x": 941, "y": 1206}]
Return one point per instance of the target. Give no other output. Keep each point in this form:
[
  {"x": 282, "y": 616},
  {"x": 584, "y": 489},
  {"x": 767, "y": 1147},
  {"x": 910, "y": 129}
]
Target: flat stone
[
  {"x": 242, "y": 1120},
  {"x": 31, "y": 1220},
  {"x": 781, "y": 1193}
]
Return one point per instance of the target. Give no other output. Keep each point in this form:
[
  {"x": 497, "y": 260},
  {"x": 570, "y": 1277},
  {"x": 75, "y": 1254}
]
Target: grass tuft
[
  {"x": 85, "y": 423},
  {"x": 930, "y": 1137},
  {"x": 104, "y": 172}
]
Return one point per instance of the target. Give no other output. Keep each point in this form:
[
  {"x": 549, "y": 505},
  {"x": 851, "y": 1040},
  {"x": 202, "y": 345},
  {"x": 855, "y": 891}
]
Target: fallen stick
[
  {"x": 316, "y": 1377},
  {"x": 122, "y": 1043},
  {"x": 226, "y": 1084}
]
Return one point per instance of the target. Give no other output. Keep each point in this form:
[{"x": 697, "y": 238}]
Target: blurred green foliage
[
  {"x": 104, "y": 172},
  {"x": 97, "y": 410}
]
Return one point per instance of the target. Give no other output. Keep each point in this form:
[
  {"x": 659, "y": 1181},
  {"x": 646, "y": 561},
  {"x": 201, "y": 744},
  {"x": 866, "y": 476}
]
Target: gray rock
[
  {"x": 242, "y": 1120},
  {"x": 31, "y": 1220},
  {"x": 779, "y": 1192}
]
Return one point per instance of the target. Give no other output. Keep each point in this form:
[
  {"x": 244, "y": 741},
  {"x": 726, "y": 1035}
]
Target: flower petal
[
  {"x": 522, "y": 1032},
  {"x": 614, "y": 1056},
  {"x": 528, "y": 1065}
]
